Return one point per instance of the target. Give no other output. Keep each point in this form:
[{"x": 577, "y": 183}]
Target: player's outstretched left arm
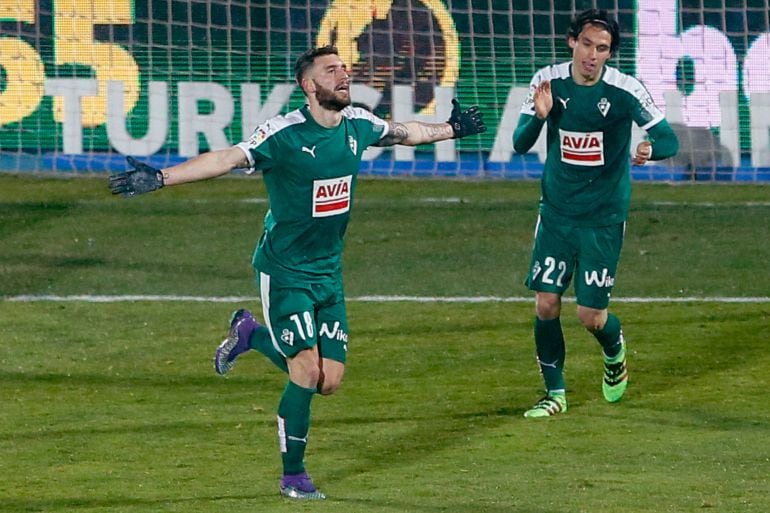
[
  {"x": 461, "y": 123},
  {"x": 466, "y": 122}
]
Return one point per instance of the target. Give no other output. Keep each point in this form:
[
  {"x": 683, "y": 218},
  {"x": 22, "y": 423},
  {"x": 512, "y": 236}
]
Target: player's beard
[{"x": 329, "y": 99}]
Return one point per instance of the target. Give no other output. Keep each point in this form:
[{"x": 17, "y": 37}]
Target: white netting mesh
[{"x": 83, "y": 82}]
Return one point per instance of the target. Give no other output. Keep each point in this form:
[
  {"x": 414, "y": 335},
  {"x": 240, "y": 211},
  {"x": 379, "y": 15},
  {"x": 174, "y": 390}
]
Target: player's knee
[
  {"x": 304, "y": 370},
  {"x": 592, "y": 326},
  {"x": 330, "y": 378},
  {"x": 547, "y": 306},
  {"x": 310, "y": 376},
  {"x": 593, "y": 320},
  {"x": 327, "y": 388}
]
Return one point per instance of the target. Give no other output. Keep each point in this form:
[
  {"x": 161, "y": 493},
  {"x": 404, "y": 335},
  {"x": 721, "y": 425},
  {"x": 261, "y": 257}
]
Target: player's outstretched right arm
[
  {"x": 139, "y": 180},
  {"x": 535, "y": 111},
  {"x": 143, "y": 178}
]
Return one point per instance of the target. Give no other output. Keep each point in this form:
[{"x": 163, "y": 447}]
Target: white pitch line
[
  {"x": 709, "y": 204},
  {"x": 524, "y": 299},
  {"x": 451, "y": 200},
  {"x": 129, "y": 297},
  {"x": 366, "y": 299}
]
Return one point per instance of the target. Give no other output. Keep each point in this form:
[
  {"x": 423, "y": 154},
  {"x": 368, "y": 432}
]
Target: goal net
[{"x": 85, "y": 82}]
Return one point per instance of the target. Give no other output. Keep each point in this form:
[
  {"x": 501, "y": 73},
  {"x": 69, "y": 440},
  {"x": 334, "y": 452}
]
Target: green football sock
[
  {"x": 262, "y": 342},
  {"x": 293, "y": 426},
  {"x": 609, "y": 336},
  {"x": 549, "y": 342}
]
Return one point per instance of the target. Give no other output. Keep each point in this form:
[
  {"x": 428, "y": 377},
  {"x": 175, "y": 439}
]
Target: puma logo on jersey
[
  {"x": 309, "y": 150},
  {"x": 582, "y": 148},
  {"x": 331, "y": 197},
  {"x": 563, "y": 101}
]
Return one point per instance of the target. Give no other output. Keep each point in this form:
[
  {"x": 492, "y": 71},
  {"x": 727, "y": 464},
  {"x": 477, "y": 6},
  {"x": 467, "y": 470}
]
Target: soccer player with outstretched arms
[{"x": 309, "y": 160}]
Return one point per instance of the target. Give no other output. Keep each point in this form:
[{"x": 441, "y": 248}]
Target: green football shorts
[
  {"x": 589, "y": 253},
  {"x": 298, "y": 318}
]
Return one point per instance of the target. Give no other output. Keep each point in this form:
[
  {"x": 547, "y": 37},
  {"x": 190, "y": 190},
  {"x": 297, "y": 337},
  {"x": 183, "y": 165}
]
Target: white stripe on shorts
[{"x": 264, "y": 291}]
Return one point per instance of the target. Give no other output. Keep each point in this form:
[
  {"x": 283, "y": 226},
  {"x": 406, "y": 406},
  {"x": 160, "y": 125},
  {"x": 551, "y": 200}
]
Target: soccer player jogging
[
  {"x": 585, "y": 192},
  {"x": 309, "y": 160}
]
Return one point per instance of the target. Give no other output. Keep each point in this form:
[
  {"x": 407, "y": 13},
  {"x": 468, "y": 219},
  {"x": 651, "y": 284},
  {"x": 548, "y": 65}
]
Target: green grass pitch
[{"x": 114, "y": 407}]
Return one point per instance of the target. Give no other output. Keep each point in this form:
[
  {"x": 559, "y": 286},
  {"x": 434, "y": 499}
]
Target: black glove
[
  {"x": 466, "y": 122},
  {"x": 141, "y": 179}
]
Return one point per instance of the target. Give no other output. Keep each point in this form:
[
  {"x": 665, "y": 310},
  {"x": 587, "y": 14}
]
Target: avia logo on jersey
[
  {"x": 605, "y": 280},
  {"x": 331, "y": 197},
  {"x": 582, "y": 148}
]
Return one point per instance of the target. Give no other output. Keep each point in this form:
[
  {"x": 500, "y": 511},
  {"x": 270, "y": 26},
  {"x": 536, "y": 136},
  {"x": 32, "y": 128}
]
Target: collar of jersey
[
  {"x": 601, "y": 77},
  {"x": 312, "y": 123}
]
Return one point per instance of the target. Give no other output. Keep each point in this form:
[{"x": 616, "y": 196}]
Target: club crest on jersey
[
  {"x": 353, "y": 144},
  {"x": 604, "y": 106},
  {"x": 331, "y": 197},
  {"x": 536, "y": 270},
  {"x": 582, "y": 148}
]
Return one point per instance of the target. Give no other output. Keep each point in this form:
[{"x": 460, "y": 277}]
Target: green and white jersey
[
  {"x": 586, "y": 180},
  {"x": 310, "y": 173}
]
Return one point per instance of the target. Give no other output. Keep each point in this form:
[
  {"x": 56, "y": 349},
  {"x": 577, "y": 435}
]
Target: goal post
[{"x": 85, "y": 82}]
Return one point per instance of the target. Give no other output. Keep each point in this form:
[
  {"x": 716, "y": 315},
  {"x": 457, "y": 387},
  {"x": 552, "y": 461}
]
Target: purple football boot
[
  {"x": 242, "y": 325},
  {"x": 300, "y": 486}
]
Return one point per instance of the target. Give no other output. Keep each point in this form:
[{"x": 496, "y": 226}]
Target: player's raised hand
[
  {"x": 139, "y": 180},
  {"x": 466, "y": 122},
  {"x": 543, "y": 99}
]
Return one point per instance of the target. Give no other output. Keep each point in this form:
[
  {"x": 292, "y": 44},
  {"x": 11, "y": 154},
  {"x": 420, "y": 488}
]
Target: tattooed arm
[
  {"x": 412, "y": 133},
  {"x": 460, "y": 124}
]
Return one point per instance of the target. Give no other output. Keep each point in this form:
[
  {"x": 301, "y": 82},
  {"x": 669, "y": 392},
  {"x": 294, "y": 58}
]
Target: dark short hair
[
  {"x": 599, "y": 18},
  {"x": 307, "y": 59}
]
